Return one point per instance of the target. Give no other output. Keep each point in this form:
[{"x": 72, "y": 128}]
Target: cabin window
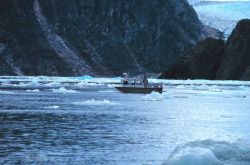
[{"x": 125, "y": 82}]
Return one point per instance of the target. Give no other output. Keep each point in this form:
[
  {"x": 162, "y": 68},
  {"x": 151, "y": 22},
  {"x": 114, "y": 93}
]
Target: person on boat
[
  {"x": 145, "y": 80},
  {"x": 125, "y": 82}
]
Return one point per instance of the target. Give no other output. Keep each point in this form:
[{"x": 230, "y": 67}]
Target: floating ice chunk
[
  {"x": 52, "y": 107},
  {"x": 110, "y": 85},
  {"x": 64, "y": 90},
  {"x": 6, "y": 92},
  {"x": 105, "y": 80},
  {"x": 154, "y": 96},
  {"x": 34, "y": 90},
  {"x": 53, "y": 84},
  {"x": 32, "y": 84},
  {"x": 96, "y": 102},
  {"x": 242, "y": 87},
  {"x": 86, "y": 77},
  {"x": 200, "y": 87},
  {"x": 88, "y": 80},
  {"x": 106, "y": 91},
  {"x": 5, "y": 83},
  {"x": 209, "y": 152},
  {"x": 193, "y": 156},
  {"x": 87, "y": 83},
  {"x": 215, "y": 88},
  {"x": 180, "y": 86}
]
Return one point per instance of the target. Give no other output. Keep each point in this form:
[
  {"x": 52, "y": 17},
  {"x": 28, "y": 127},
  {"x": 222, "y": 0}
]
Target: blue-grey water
[{"x": 96, "y": 124}]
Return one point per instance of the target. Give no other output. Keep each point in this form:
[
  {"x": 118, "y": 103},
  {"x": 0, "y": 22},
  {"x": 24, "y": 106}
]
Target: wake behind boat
[{"x": 134, "y": 85}]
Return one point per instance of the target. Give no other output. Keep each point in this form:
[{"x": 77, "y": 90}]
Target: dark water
[{"x": 99, "y": 125}]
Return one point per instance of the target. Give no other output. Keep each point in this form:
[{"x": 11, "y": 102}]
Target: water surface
[{"x": 94, "y": 124}]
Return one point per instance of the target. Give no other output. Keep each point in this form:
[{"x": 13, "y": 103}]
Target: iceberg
[
  {"x": 57, "y": 82},
  {"x": 193, "y": 156},
  {"x": 210, "y": 152}
]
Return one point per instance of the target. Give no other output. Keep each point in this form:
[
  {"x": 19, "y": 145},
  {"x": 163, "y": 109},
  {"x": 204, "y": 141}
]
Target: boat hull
[{"x": 138, "y": 89}]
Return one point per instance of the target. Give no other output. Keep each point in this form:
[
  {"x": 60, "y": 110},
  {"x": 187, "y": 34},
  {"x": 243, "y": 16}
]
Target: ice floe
[
  {"x": 209, "y": 152},
  {"x": 110, "y": 85},
  {"x": 106, "y": 91},
  {"x": 6, "y": 92},
  {"x": 86, "y": 77},
  {"x": 64, "y": 90},
  {"x": 44, "y": 81},
  {"x": 193, "y": 156},
  {"x": 96, "y": 102},
  {"x": 33, "y": 90},
  {"x": 52, "y": 107},
  {"x": 154, "y": 96}
]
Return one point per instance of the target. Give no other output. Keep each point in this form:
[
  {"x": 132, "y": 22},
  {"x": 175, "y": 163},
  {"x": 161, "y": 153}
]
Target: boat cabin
[
  {"x": 134, "y": 85},
  {"x": 131, "y": 81}
]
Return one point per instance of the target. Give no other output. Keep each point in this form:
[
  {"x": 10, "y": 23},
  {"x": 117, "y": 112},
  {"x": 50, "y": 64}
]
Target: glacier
[{"x": 222, "y": 14}]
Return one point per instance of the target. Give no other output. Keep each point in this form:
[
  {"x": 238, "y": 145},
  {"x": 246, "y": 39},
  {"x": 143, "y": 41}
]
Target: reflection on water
[{"x": 117, "y": 128}]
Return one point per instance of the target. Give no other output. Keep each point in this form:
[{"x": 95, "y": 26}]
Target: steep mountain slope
[
  {"x": 235, "y": 62},
  {"x": 97, "y": 37},
  {"x": 212, "y": 59},
  {"x": 200, "y": 62}
]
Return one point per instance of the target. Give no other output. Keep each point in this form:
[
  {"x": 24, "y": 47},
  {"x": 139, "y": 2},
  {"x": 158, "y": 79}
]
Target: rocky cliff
[
  {"x": 235, "y": 61},
  {"x": 97, "y": 37},
  {"x": 213, "y": 59},
  {"x": 200, "y": 62}
]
